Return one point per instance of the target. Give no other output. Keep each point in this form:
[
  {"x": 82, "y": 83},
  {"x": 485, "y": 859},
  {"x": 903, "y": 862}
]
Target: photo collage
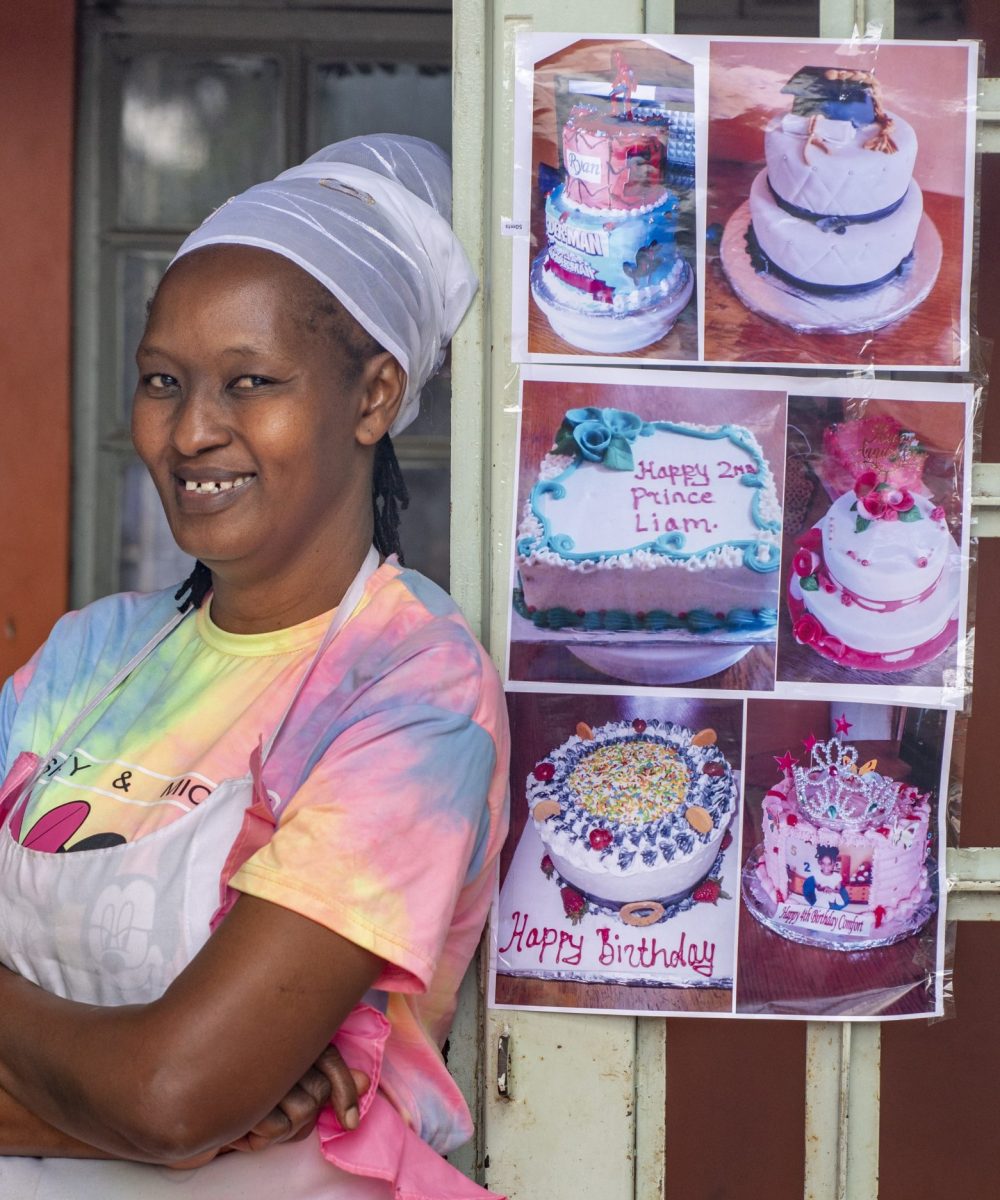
[{"x": 738, "y": 599}]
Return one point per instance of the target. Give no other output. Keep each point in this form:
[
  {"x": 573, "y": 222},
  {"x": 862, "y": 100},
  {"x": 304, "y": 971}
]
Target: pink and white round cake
[
  {"x": 634, "y": 812},
  {"x": 875, "y": 583},
  {"x": 845, "y": 851}
]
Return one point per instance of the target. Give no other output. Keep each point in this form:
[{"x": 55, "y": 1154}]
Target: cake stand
[
  {"x": 651, "y": 659},
  {"x": 600, "y": 328},
  {"x": 809, "y": 312},
  {"x": 761, "y": 906}
]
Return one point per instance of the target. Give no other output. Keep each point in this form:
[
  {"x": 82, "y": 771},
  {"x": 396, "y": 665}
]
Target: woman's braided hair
[{"x": 389, "y": 492}]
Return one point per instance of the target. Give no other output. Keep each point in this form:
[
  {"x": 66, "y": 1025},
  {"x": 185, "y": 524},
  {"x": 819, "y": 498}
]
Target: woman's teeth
[{"x": 210, "y": 488}]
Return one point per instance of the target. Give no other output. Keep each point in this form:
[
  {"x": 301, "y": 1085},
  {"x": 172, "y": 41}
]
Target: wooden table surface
[
  {"x": 927, "y": 336},
  {"x": 555, "y": 663}
]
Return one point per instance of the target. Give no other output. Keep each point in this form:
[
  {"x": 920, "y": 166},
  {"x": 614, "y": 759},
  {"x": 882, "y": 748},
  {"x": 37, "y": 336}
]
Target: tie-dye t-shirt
[{"x": 392, "y": 765}]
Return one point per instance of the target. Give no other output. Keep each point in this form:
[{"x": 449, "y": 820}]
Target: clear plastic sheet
[
  {"x": 740, "y": 639},
  {"x": 744, "y": 201}
]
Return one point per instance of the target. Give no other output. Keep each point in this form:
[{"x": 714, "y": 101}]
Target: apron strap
[{"x": 343, "y": 613}]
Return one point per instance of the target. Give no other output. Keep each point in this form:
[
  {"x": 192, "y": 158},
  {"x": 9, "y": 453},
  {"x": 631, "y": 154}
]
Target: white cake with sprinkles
[{"x": 633, "y": 814}]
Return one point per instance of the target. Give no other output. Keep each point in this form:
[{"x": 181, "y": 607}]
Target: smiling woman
[
  {"x": 259, "y": 433},
  {"x": 240, "y": 831}
]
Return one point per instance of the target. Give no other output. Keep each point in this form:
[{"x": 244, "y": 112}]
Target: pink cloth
[{"x": 383, "y": 1146}]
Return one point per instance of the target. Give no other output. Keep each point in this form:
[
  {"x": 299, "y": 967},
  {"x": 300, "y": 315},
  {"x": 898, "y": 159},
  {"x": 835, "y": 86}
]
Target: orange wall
[{"x": 36, "y": 162}]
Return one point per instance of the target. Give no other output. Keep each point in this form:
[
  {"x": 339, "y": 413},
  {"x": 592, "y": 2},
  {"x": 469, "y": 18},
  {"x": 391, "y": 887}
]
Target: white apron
[{"x": 115, "y": 926}]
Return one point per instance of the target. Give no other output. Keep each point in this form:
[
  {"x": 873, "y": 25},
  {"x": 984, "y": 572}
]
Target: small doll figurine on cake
[
  {"x": 844, "y": 858},
  {"x": 835, "y": 213},
  {"x": 610, "y": 278}
]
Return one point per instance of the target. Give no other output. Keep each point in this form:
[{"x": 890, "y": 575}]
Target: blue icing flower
[
  {"x": 625, "y": 859},
  {"x": 649, "y": 857},
  {"x": 593, "y": 438},
  {"x": 624, "y": 424},
  {"x": 576, "y": 416},
  {"x": 605, "y": 435}
]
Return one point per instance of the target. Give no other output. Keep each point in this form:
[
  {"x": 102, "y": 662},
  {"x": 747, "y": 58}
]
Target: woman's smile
[{"x": 212, "y": 494}]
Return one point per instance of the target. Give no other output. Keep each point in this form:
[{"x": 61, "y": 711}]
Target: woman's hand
[{"x": 329, "y": 1081}]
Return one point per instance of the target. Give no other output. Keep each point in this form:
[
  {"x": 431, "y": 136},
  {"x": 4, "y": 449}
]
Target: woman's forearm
[
  {"x": 22, "y": 1133},
  {"x": 197, "y": 1068}
]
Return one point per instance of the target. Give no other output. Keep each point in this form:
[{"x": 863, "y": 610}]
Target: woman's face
[{"x": 254, "y": 423}]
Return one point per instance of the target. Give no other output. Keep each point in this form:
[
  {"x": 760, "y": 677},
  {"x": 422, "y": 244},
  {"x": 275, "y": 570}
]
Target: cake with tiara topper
[
  {"x": 634, "y": 817},
  {"x": 835, "y": 213},
  {"x": 638, "y": 526},
  {"x": 610, "y": 278},
  {"x": 875, "y": 583},
  {"x": 845, "y": 860}
]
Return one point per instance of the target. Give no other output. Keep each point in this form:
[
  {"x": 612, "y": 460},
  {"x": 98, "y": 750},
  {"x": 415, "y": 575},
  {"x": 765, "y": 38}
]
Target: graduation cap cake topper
[{"x": 841, "y": 95}]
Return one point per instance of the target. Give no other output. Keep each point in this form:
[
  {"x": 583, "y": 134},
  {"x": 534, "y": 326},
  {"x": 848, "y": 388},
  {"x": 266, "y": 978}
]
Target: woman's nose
[{"x": 199, "y": 422}]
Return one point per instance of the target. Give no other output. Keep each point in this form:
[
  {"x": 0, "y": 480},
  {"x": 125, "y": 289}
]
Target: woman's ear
[{"x": 384, "y": 383}]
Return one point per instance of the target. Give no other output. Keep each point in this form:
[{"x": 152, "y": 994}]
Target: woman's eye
[
  {"x": 159, "y": 382},
  {"x": 246, "y": 383}
]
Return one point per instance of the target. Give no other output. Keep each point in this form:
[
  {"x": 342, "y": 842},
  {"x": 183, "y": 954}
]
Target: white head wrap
[{"x": 370, "y": 218}]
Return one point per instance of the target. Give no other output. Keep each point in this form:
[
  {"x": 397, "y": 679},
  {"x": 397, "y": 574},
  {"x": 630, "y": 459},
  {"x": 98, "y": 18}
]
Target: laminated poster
[
  {"x": 738, "y": 642},
  {"x": 737, "y": 201}
]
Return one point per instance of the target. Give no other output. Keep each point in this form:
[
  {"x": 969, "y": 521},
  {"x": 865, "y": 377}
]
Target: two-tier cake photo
[
  {"x": 838, "y": 189},
  {"x": 873, "y": 566}
]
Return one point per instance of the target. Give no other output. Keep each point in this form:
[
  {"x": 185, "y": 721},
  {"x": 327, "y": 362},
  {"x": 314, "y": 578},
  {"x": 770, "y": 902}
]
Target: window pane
[
  {"x": 148, "y": 556},
  {"x": 424, "y": 532},
  {"x": 140, "y": 272},
  {"x": 194, "y": 131},
  {"x": 434, "y": 418},
  {"x": 348, "y": 99}
]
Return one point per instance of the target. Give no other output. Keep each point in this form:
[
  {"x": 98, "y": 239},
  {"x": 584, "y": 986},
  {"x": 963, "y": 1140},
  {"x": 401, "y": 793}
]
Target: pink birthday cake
[
  {"x": 610, "y": 278},
  {"x": 875, "y": 582},
  {"x": 845, "y": 850}
]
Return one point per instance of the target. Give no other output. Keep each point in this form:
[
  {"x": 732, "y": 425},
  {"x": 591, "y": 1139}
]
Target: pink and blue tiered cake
[{"x": 610, "y": 278}]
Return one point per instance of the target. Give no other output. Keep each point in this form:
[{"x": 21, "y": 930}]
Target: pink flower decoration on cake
[
  {"x": 937, "y": 514},
  {"x": 807, "y": 630},
  {"x": 874, "y": 506},
  {"x": 833, "y": 645},
  {"x": 812, "y": 539},
  {"x": 878, "y": 502},
  {"x": 805, "y": 562}
]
